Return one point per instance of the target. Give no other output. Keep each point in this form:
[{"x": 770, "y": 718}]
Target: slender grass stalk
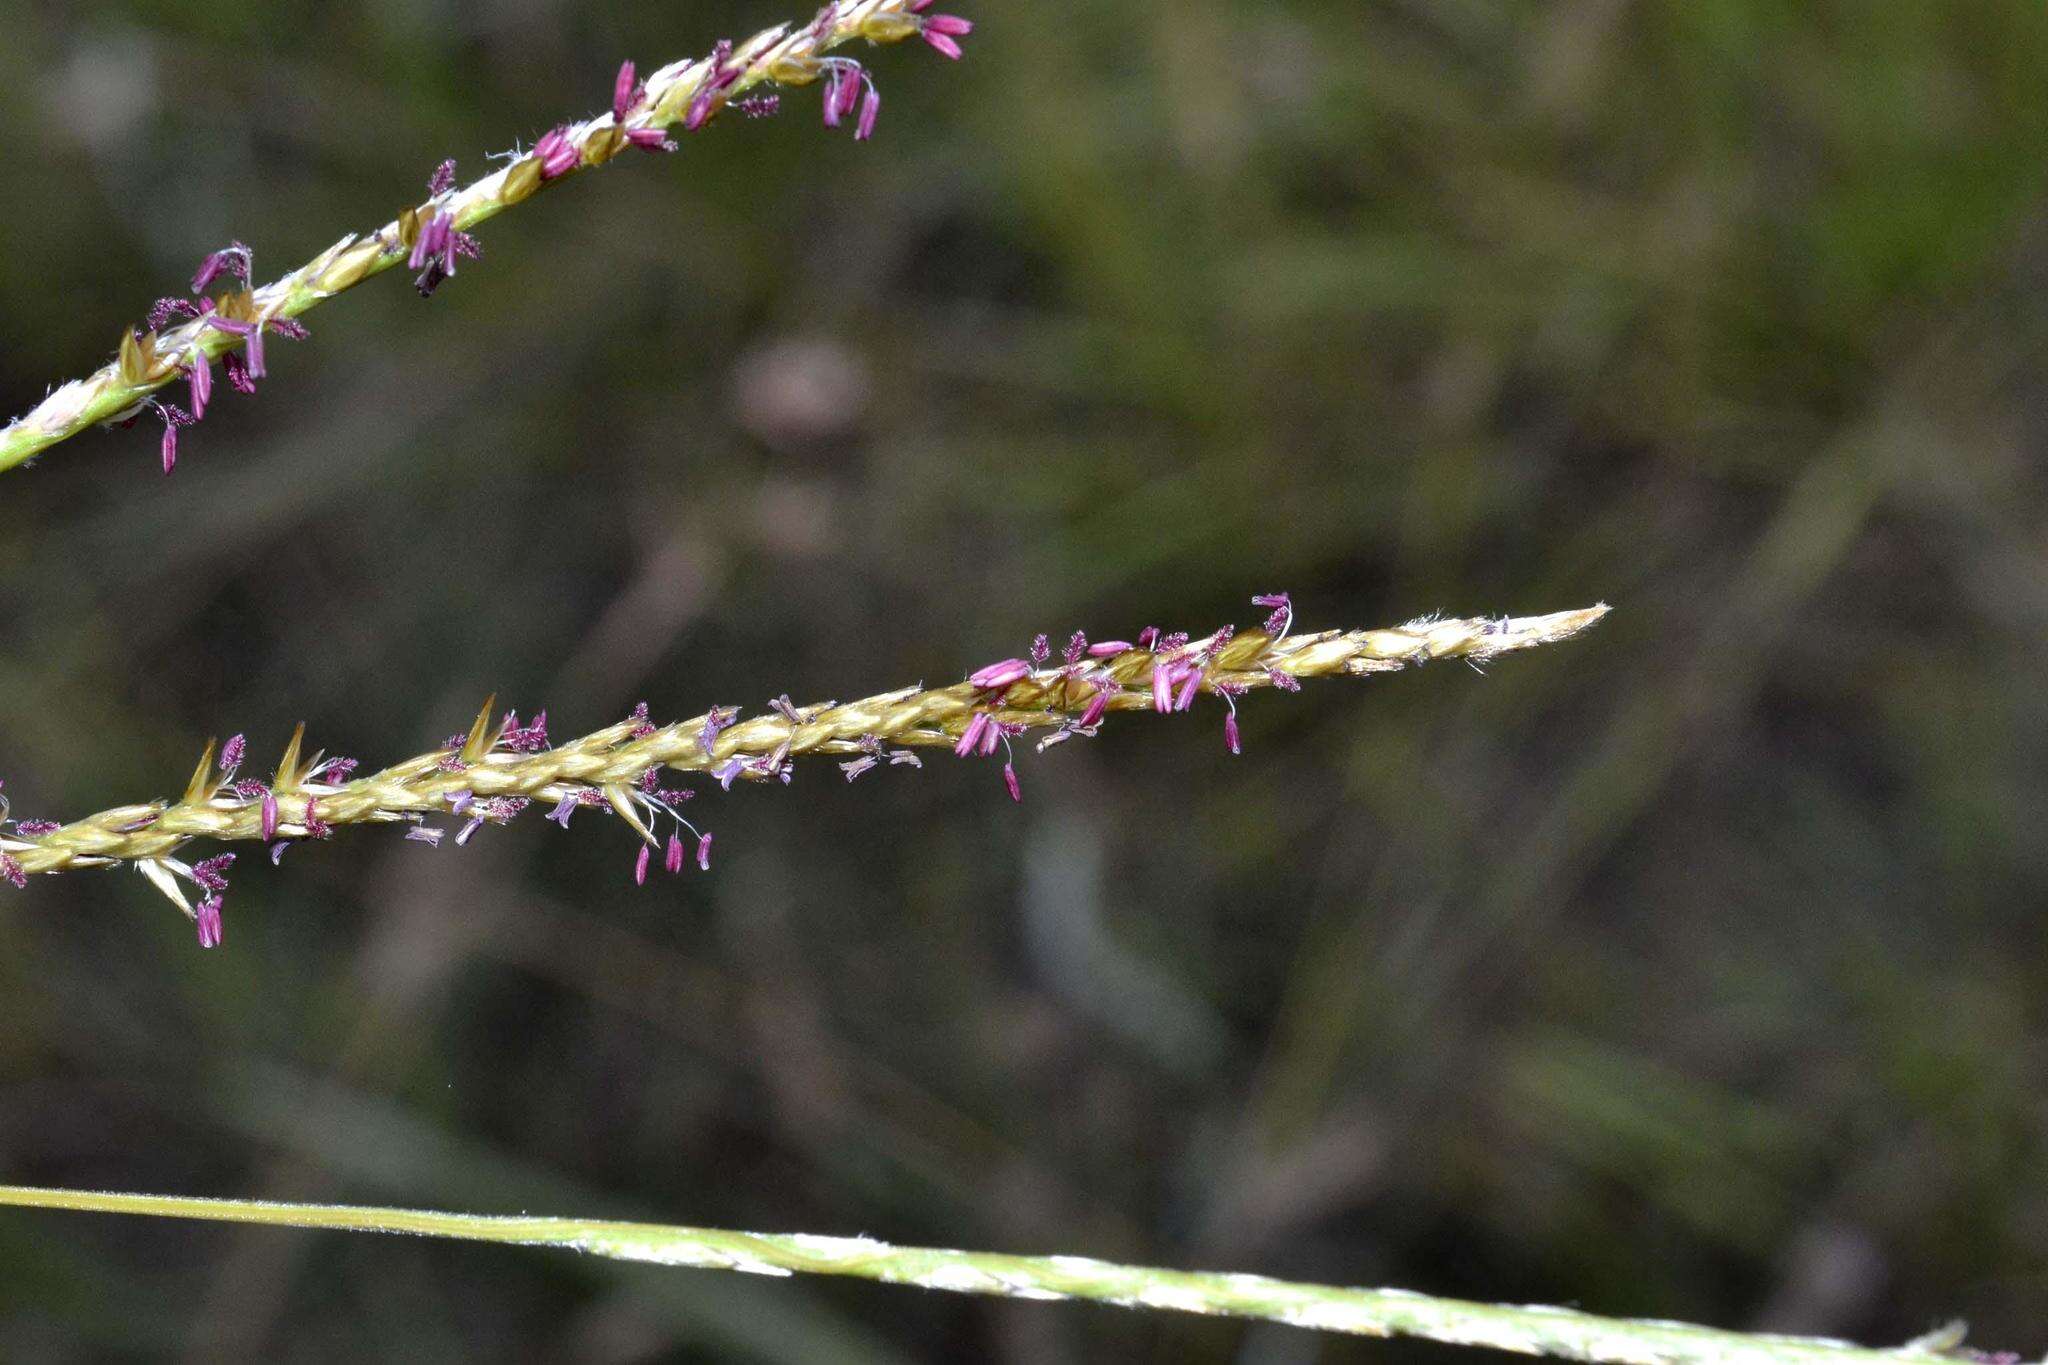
[
  {"x": 489, "y": 775},
  {"x": 683, "y": 95},
  {"x": 1528, "y": 1330}
]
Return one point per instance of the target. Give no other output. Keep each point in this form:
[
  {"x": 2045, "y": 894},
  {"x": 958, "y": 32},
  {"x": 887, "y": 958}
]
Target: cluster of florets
[
  {"x": 848, "y": 83},
  {"x": 234, "y": 313},
  {"x": 431, "y": 241},
  {"x": 558, "y": 153},
  {"x": 215, "y": 784},
  {"x": 321, "y": 776},
  {"x": 644, "y": 803},
  {"x": 850, "y": 91},
  {"x": 874, "y": 754},
  {"x": 655, "y": 801},
  {"x": 1073, "y": 696},
  {"x": 1179, "y": 675},
  {"x": 494, "y": 772},
  {"x": 434, "y": 238}
]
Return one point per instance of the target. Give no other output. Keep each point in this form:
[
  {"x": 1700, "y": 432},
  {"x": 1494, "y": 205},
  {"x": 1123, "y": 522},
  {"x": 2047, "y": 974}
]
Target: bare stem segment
[
  {"x": 1533, "y": 1330},
  {"x": 489, "y": 776},
  {"x": 682, "y": 94}
]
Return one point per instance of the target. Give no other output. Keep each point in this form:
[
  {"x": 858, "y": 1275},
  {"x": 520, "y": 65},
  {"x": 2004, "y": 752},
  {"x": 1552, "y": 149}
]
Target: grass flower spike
[
  {"x": 184, "y": 336},
  {"x": 496, "y": 770}
]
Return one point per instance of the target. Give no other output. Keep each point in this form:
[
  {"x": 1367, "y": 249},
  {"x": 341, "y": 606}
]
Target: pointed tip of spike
[
  {"x": 287, "y": 767},
  {"x": 1586, "y": 616},
  {"x": 200, "y": 788},
  {"x": 479, "y": 742}
]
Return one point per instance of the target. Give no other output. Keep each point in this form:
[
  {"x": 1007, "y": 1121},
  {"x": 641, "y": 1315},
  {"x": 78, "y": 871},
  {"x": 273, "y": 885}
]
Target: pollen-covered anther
[
  {"x": 717, "y": 719},
  {"x": 1282, "y": 618},
  {"x": 842, "y": 89},
  {"x": 173, "y": 417},
  {"x": 235, "y": 315},
  {"x": 655, "y": 140},
  {"x": 1162, "y": 686},
  {"x": 1098, "y": 705},
  {"x": 870, "y": 109},
  {"x": 848, "y": 82},
  {"x": 970, "y": 738},
  {"x": 718, "y": 77},
  {"x": 1230, "y": 690},
  {"x": 557, "y": 153},
  {"x": 629, "y": 97},
  {"x": 943, "y": 32},
  {"x": 1000, "y": 677},
  {"x": 627, "y": 92},
  {"x": 994, "y": 733},
  {"x": 432, "y": 238},
  {"x": 436, "y": 242},
  {"x": 234, "y": 260},
  {"x": 206, "y": 919},
  {"x": 199, "y": 370}
]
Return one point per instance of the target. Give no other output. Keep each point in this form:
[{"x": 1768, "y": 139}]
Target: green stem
[{"x": 1544, "y": 1331}]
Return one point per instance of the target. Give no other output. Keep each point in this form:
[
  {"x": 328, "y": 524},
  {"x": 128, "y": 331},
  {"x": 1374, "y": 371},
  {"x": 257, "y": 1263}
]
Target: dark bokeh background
[{"x": 1694, "y": 969}]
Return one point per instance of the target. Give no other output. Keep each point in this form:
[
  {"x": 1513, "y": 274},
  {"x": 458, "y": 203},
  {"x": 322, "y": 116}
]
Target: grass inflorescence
[
  {"x": 183, "y": 337},
  {"x": 500, "y": 768}
]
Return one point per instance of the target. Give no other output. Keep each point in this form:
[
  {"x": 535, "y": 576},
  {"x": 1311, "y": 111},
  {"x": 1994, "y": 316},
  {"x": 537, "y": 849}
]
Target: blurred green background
[{"x": 1694, "y": 969}]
